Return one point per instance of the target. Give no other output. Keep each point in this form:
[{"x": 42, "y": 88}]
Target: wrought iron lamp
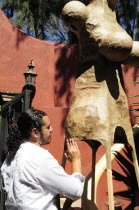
[
  {"x": 30, "y": 75},
  {"x": 30, "y": 80}
]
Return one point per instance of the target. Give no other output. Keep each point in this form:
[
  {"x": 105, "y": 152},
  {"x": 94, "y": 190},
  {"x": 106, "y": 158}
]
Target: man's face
[{"x": 45, "y": 134}]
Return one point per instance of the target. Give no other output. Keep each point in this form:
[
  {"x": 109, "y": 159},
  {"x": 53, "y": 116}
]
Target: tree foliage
[
  {"x": 128, "y": 16},
  {"x": 41, "y": 18}
]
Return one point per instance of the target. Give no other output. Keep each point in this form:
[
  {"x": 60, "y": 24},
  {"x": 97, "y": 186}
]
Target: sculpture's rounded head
[{"x": 74, "y": 15}]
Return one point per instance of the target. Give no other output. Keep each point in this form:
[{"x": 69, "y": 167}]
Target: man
[{"x": 32, "y": 176}]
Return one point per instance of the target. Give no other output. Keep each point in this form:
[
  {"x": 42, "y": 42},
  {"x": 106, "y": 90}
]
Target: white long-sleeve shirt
[{"x": 33, "y": 178}]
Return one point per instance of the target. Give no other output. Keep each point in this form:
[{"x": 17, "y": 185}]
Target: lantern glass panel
[
  {"x": 34, "y": 80},
  {"x": 26, "y": 79}
]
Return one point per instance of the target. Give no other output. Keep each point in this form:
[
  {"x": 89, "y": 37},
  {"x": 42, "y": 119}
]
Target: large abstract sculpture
[{"x": 99, "y": 110}]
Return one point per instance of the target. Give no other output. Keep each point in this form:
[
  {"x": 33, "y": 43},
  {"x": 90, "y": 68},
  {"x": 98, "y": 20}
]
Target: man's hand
[
  {"x": 73, "y": 155},
  {"x": 73, "y": 151}
]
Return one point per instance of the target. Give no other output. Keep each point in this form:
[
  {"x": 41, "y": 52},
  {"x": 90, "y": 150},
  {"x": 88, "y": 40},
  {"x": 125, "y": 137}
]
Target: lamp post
[
  {"x": 30, "y": 75},
  {"x": 30, "y": 80}
]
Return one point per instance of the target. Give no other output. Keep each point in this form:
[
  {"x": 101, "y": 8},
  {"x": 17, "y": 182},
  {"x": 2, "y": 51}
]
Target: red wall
[
  {"x": 56, "y": 66},
  {"x": 131, "y": 89}
]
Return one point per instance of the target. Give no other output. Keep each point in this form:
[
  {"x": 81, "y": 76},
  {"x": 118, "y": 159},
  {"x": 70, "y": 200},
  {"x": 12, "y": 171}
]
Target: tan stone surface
[
  {"x": 99, "y": 108},
  {"x": 97, "y": 29},
  {"x": 99, "y": 104}
]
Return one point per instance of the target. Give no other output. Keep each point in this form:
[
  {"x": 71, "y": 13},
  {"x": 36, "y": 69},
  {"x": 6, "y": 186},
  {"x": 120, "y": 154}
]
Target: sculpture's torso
[{"x": 99, "y": 105}]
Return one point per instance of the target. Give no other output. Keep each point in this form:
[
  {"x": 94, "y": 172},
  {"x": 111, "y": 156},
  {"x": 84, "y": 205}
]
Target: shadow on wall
[
  {"x": 66, "y": 61},
  {"x": 66, "y": 70},
  {"x": 131, "y": 80},
  {"x": 129, "y": 179},
  {"x": 7, "y": 27},
  {"x": 125, "y": 177},
  {"x": 127, "y": 69},
  {"x": 20, "y": 35}
]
